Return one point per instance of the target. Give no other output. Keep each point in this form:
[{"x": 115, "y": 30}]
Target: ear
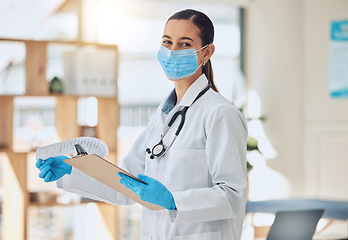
[{"x": 209, "y": 52}]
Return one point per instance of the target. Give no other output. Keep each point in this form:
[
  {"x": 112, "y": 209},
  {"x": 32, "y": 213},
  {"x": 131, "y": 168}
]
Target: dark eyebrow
[
  {"x": 182, "y": 38},
  {"x": 166, "y": 36},
  {"x": 186, "y": 38}
]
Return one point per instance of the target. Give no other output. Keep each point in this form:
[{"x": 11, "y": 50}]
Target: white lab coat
[{"x": 205, "y": 170}]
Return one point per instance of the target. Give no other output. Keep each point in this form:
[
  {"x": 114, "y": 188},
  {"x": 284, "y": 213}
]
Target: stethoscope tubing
[{"x": 182, "y": 113}]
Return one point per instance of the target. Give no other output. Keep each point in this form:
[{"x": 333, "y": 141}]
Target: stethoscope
[{"x": 160, "y": 149}]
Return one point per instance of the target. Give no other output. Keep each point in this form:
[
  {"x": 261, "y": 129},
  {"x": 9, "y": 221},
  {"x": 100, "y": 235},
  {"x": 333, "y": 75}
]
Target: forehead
[{"x": 181, "y": 28}]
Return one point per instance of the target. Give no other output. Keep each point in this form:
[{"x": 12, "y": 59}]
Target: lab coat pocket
[
  {"x": 187, "y": 169},
  {"x": 201, "y": 236}
]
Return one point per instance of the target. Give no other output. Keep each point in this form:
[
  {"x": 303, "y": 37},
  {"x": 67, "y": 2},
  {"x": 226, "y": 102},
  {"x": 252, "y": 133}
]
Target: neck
[{"x": 182, "y": 85}]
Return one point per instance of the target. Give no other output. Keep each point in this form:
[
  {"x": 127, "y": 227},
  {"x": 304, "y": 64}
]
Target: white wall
[
  {"x": 287, "y": 64},
  {"x": 274, "y": 53},
  {"x": 325, "y": 119}
]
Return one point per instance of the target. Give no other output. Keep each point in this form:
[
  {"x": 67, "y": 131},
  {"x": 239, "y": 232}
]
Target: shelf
[
  {"x": 76, "y": 43},
  {"x": 10, "y": 150},
  {"x": 56, "y": 204},
  {"x": 36, "y": 59},
  {"x": 16, "y": 199},
  {"x": 5, "y": 149},
  {"x": 57, "y": 96}
]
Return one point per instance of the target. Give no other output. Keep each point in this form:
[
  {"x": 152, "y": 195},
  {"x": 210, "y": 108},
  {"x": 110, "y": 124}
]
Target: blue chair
[{"x": 295, "y": 225}]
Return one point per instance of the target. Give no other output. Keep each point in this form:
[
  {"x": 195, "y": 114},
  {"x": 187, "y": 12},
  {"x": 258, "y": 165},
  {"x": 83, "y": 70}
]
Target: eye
[
  {"x": 186, "y": 44},
  {"x": 166, "y": 42}
]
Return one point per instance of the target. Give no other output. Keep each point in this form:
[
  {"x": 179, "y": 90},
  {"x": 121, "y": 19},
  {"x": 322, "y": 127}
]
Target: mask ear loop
[
  {"x": 203, "y": 47},
  {"x": 202, "y": 64}
]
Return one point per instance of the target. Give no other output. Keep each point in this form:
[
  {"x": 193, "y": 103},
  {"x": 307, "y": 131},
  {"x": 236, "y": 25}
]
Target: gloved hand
[
  {"x": 154, "y": 192},
  {"x": 53, "y": 168}
]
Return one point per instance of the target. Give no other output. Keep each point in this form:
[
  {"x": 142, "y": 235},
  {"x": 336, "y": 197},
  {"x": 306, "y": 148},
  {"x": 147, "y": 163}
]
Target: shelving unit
[{"x": 16, "y": 199}]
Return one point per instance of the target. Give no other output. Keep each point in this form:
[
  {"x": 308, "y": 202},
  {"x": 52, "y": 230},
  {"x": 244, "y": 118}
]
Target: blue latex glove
[
  {"x": 53, "y": 168},
  {"x": 154, "y": 192}
]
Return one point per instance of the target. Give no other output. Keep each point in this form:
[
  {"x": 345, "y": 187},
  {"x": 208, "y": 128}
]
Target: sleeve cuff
[
  {"x": 173, "y": 214},
  {"x": 64, "y": 181}
]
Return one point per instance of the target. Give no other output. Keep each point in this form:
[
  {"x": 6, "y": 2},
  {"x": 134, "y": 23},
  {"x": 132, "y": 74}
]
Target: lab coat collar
[
  {"x": 161, "y": 117},
  {"x": 193, "y": 91}
]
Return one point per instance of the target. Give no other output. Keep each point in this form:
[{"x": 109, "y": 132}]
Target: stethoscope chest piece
[{"x": 157, "y": 151}]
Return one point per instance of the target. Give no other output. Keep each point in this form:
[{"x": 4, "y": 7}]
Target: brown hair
[{"x": 206, "y": 28}]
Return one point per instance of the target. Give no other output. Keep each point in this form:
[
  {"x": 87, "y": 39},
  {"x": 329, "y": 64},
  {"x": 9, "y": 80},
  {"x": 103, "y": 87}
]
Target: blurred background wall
[{"x": 287, "y": 64}]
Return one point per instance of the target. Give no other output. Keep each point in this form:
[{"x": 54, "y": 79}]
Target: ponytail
[{"x": 208, "y": 72}]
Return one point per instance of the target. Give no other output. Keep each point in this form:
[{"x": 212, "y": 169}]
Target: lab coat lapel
[
  {"x": 189, "y": 97},
  {"x": 193, "y": 91}
]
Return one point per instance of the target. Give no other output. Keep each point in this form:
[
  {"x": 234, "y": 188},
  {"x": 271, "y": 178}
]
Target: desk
[{"x": 332, "y": 209}]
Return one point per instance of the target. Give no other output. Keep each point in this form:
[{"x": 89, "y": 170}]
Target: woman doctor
[{"x": 196, "y": 167}]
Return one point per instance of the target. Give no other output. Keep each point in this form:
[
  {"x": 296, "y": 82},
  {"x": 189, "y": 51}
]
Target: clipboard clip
[{"x": 80, "y": 151}]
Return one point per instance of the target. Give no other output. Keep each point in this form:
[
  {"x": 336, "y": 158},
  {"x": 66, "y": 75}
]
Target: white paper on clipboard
[
  {"x": 107, "y": 173},
  {"x": 89, "y": 144}
]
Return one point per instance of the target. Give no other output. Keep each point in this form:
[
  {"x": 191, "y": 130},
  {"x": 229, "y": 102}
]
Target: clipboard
[{"x": 107, "y": 173}]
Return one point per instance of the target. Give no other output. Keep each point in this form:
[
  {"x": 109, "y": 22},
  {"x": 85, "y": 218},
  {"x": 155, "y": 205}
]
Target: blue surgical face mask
[{"x": 178, "y": 64}]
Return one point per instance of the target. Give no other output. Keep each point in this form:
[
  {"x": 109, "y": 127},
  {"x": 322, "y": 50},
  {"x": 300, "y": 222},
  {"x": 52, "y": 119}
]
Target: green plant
[{"x": 252, "y": 145}]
